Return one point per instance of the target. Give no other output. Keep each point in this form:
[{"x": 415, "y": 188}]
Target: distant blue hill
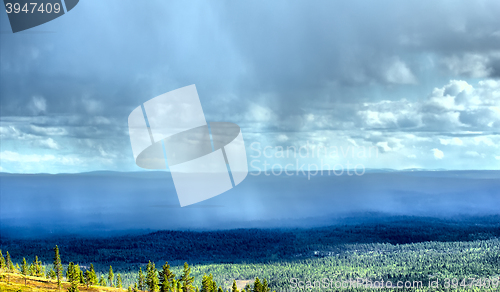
[{"x": 117, "y": 202}]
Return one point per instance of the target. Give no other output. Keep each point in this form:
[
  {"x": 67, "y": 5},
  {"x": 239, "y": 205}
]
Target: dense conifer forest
[{"x": 461, "y": 254}]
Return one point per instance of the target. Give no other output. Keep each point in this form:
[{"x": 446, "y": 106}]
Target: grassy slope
[{"x": 10, "y": 282}]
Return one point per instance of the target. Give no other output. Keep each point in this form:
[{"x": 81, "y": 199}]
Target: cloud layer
[{"x": 409, "y": 78}]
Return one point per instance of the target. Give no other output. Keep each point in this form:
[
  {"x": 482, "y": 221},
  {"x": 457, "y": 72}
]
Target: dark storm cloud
[{"x": 272, "y": 67}]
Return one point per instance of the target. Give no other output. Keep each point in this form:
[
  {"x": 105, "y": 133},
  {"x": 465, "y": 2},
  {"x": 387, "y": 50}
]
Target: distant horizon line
[{"x": 373, "y": 170}]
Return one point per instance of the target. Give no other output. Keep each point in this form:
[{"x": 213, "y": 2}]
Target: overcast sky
[{"x": 417, "y": 80}]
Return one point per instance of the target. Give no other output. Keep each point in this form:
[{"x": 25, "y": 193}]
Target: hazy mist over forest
[{"x": 102, "y": 202}]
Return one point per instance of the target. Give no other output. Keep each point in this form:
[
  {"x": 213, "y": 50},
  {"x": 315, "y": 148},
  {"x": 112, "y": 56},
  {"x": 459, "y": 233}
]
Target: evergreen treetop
[
  {"x": 111, "y": 276},
  {"x": 58, "y": 266},
  {"x": 3, "y": 266}
]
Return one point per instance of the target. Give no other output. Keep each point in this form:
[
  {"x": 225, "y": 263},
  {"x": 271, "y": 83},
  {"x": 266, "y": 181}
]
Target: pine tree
[
  {"x": 111, "y": 276},
  {"x": 186, "y": 279},
  {"x": 206, "y": 283},
  {"x": 51, "y": 274},
  {"x": 38, "y": 267},
  {"x": 118, "y": 281},
  {"x": 93, "y": 276},
  {"x": 10, "y": 265},
  {"x": 102, "y": 282},
  {"x": 257, "y": 286},
  {"x": 31, "y": 270},
  {"x": 80, "y": 276},
  {"x": 87, "y": 278},
  {"x": 174, "y": 285},
  {"x": 24, "y": 271},
  {"x": 3, "y": 266},
  {"x": 166, "y": 277},
  {"x": 235, "y": 287},
  {"x": 152, "y": 277},
  {"x": 265, "y": 286},
  {"x": 73, "y": 275},
  {"x": 141, "y": 281},
  {"x": 58, "y": 266}
]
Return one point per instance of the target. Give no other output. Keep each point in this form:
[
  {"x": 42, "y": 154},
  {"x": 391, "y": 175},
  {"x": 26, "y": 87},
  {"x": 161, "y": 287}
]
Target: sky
[{"x": 418, "y": 82}]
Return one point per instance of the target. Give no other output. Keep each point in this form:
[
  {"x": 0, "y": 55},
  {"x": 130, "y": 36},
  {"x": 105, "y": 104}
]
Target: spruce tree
[
  {"x": 152, "y": 277},
  {"x": 166, "y": 277},
  {"x": 118, "y": 281},
  {"x": 93, "y": 277},
  {"x": 81, "y": 277},
  {"x": 102, "y": 282},
  {"x": 10, "y": 265},
  {"x": 235, "y": 287},
  {"x": 257, "y": 286},
  {"x": 24, "y": 271},
  {"x": 58, "y": 266},
  {"x": 174, "y": 285},
  {"x": 186, "y": 279},
  {"x": 206, "y": 283},
  {"x": 38, "y": 267},
  {"x": 141, "y": 281},
  {"x": 51, "y": 274},
  {"x": 86, "y": 277},
  {"x": 31, "y": 270},
  {"x": 3, "y": 265},
  {"x": 265, "y": 286},
  {"x": 111, "y": 276},
  {"x": 73, "y": 275}
]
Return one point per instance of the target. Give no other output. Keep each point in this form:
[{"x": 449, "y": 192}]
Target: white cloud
[
  {"x": 399, "y": 73},
  {"x": 49, "y": 131},
  {"x": 456, "y": 106},
  {"x": 10, "y": 156},
  {"x": 482, "y": 139},
  {"x": 452, "y": 141},
  {"x": 471, "y": 64},
  {"x": 24, "y": 158},
  {"x": 37, "y": 105},
  {"x": 438, "y": 154},
  {"x": 49, "y": 143},
  {"x": 282, "y": 138},
  {"x": 259, "y": 113}
]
